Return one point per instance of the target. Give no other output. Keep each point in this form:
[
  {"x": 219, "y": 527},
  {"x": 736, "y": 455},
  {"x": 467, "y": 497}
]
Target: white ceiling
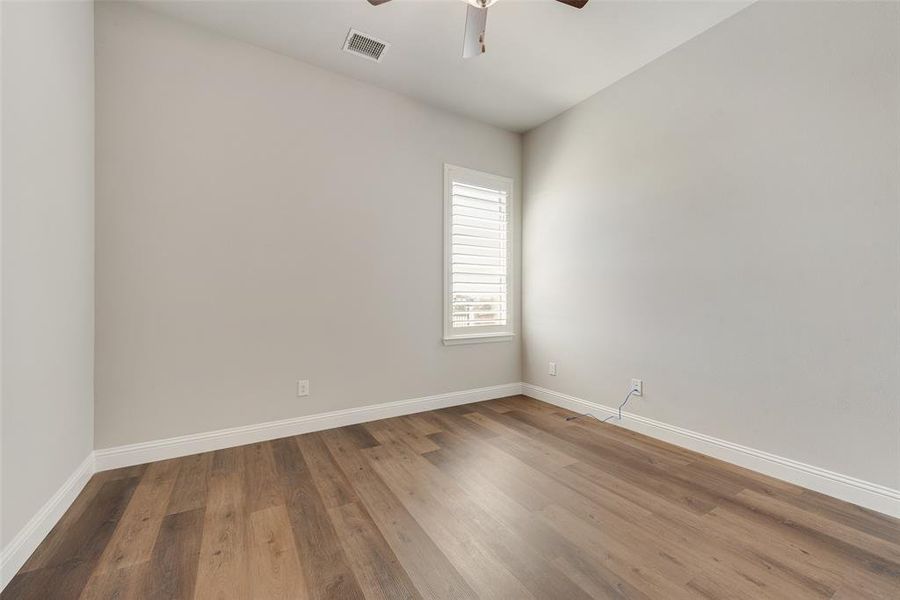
[{"x": 542, "y": 56}]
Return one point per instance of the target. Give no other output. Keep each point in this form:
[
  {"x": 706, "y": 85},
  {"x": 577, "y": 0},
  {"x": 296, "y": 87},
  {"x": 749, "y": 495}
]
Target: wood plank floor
[{"x": 501, "y": 499}]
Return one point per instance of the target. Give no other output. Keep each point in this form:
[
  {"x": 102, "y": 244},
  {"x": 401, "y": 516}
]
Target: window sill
[{"x": 478, "y": 338}]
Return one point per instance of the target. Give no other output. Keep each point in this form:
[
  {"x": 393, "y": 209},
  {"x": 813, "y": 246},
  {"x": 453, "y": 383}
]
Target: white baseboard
[
  {"x": 866, "y": 494},
  {"x": 14, "y": 555},
  {"x": 136, "y": 454}
]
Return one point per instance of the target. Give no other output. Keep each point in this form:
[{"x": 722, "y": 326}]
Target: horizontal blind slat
[
  {"x": 470, "y": 250},
  {"x": 479, "y": 213},
  {"x": 485, "y": 261},
  {"x": 479, "y": 223},
  {"x": 480, "y": 232},
  {"x": 479, "y": 304},
  {"x": 498, "y": 207},
  {"x": 478, "y": 241},
  {"x": 468, "y": 277},
  {"x": 478, "y": 270},
  {"x": 468, "y": 191},
  {"x": 470, "y": 287}
]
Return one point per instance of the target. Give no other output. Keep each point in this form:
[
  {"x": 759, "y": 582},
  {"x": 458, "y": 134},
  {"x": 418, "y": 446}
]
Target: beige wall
[
  {"x": 259, "y": 221},
  {"x": 725, "y": 225},
  {"x": 47, "y": 252}
]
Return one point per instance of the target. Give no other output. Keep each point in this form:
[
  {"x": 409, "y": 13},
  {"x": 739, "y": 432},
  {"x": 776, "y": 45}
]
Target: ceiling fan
[{"x": 476, "y": 20}]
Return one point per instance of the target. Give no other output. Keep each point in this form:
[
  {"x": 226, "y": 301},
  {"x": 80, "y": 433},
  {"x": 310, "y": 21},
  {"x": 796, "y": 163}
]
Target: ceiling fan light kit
[{"x": 476, "y": 23}]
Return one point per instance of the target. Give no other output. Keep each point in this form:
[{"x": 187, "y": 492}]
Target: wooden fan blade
[
  {"x": 377, "y": 2},
  {"x": 574, "y": 3}
]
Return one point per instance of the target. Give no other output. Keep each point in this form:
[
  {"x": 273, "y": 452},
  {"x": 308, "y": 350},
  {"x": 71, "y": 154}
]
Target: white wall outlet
[
  {"x": 551, "y": 369},
  {"x": 303, "y": 387},
  {"x": 637, "y": 386}
]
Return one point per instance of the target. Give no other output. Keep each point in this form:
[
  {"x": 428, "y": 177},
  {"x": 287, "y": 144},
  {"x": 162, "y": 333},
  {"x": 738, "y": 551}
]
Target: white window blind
[{"x": 479, "y": 254}]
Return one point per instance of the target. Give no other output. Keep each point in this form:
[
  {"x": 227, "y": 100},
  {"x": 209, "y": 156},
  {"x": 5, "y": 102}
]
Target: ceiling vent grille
[{"x": 364, "y": 45}]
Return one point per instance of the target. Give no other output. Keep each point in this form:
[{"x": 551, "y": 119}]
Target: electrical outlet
[
  {"x": 551, "y": 369},
  {"x": 303, "y": 387},
  {"x": 637, "y": 386}
]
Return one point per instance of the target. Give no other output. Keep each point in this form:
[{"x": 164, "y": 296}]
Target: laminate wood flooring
[{"x": 499, "y": 499}]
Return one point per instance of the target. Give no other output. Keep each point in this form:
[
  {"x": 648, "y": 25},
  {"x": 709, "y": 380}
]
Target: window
[{"x": 478, "y": 253}]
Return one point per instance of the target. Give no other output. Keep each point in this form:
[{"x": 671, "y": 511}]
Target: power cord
[{"x": 619, "y": 411}]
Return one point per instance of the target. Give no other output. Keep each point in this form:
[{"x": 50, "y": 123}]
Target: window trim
[{"x": 483, "y": 334}]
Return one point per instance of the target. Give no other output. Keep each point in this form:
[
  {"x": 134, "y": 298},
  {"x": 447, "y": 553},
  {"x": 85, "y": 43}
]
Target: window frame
[{"x": 496, "y": 333}]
